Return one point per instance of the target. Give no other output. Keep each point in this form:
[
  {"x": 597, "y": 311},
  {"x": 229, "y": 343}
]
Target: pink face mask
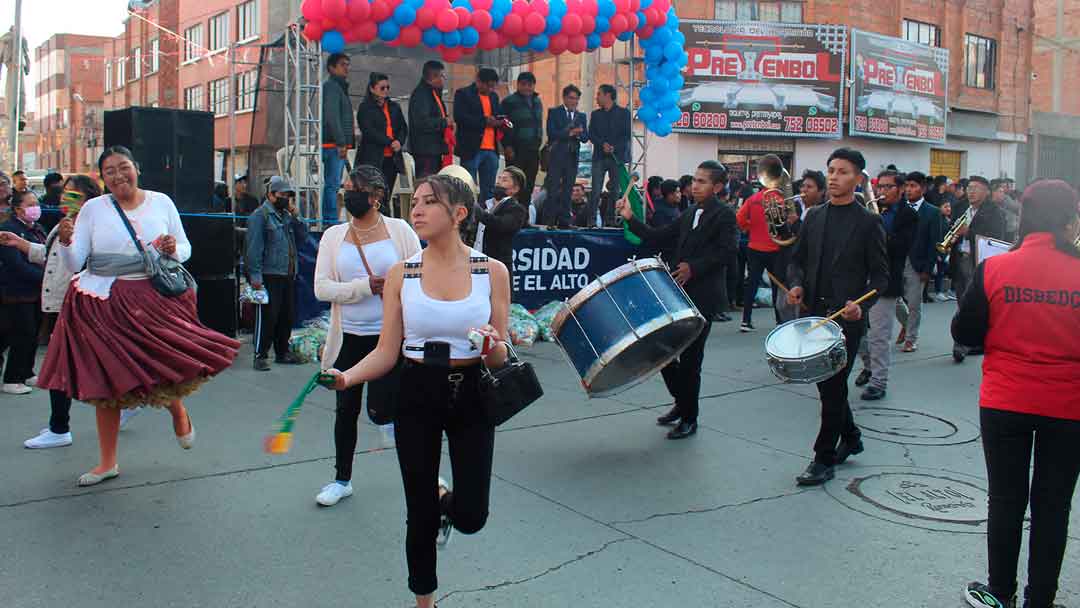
[{"x": 32, "y": 214}]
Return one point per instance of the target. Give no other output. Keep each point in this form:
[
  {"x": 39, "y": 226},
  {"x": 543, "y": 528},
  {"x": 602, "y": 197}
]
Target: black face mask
[
  {"x": 281, "y": 203},
  {"x": 357, "y": 203},
  {"x": 499, "y": 193}
]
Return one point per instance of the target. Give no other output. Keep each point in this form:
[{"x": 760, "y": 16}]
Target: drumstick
[
  {"x": 779, "y": 284},
  {"x": 832, "y": 317}
]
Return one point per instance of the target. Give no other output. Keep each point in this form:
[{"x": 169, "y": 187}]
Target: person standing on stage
[
  {"x": 763, "y": 251},
  {"x": 901, "y": 222},
  {"x": 1019, "y": 313},
  {"x": 609, "y": 132},
  {"x": 431, "y": 302},
  {"x": 119, "y": 343},
  {"x": 987, "y": 219},
  {"x": 382, "y": 131},
  {"x": 920, "y": 262},
  {"x": 337, "y": 131},
  {"x": 350, "y": 273},
  {"x": 840, "y": 256},
  {"x": 702, "y": 240},
  {"x": 428, "y": 121},
  {"x": 478, "y": 118},
  {"x": 525, "y": 133},
  {"x": 20, "y": 296},
  {"x": 274, "y": 232},
  {"x": 499, "y": 218},
  {"x": 567, "y": 128}
]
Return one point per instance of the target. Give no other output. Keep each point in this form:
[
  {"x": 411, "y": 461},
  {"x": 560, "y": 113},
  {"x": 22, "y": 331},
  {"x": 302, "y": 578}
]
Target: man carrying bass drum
[{"x": 840, "y": 255}]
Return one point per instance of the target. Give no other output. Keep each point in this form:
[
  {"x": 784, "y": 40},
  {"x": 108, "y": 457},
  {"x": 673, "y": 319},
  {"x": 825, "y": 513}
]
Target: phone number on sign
[{"x": 792, "y": 124}]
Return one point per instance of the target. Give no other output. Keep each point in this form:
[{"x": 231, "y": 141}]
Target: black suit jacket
[
  {"x": 426, "y": 122},
  {"x": 500, "y": 226},
  {"x": 373, "y": 139},
  {"x": 923, "y": 248},
  {"x": 988, "y": 221},
  {"x": 898, "y": 246},
  {"x": 469, "y": 116},
  {"x": 859, "y": 264},
  {"x": 706, "y": 249},
  {"x": 561, "y": 145}
]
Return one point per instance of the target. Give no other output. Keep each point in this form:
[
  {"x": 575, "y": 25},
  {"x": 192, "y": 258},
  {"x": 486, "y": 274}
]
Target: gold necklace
[{"x": 357, "y": 232}]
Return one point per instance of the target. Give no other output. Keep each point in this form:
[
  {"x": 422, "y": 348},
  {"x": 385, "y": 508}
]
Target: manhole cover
[
  {"x": 930, "y": 499},
  {"x": 913, "y": 428}
]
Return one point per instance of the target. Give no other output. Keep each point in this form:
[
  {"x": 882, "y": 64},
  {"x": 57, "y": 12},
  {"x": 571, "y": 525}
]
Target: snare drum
[
  {"x": 800, "y": 356},
  {"x": 625, "y": 326}
]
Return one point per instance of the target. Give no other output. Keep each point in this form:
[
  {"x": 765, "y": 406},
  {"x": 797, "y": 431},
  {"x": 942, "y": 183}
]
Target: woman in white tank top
[{"x": 430, "y": 303}]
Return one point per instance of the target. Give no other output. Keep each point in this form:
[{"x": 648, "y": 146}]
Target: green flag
[{"x": 637, "y": 204}]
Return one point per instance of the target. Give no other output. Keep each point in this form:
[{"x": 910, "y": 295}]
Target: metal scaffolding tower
[
  {"x": 627, "y": 82},
  {"x": 302, "y": 164}
]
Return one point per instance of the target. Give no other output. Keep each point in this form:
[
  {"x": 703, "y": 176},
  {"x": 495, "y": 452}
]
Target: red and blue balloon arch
[{"x": 458, "y": 28}]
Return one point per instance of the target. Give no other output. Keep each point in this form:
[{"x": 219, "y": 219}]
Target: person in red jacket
[
  {"x": 1023, "y": 309},
  {"x": 762, "y": 252}
]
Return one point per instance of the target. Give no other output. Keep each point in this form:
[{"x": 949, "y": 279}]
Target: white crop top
[
  {"x": 364, "y": 317},
  {"x": 426, "y": 319}
]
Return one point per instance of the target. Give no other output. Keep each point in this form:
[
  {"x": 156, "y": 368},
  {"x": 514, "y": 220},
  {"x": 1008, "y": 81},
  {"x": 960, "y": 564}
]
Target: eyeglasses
[
  {"x": 384, "y": 87},
  {"x": 887, "y": 186}
]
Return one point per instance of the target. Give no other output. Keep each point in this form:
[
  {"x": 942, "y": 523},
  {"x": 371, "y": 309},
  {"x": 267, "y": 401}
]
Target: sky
[{"x": 43, "y": 18}]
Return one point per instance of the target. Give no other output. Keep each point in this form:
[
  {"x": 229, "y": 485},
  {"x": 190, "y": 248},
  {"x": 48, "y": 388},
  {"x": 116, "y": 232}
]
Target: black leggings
[
  {"x": 1008, "y": 438},
  {"x": 350, "y": 402},
  {"x": 428, "y": 407}
]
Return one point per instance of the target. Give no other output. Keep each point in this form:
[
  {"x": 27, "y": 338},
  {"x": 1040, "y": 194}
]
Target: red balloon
[
  {"x": 312, "y": 10},
  {"x": 534, "y": 23},
  {"x": 578, "y": 44},
  {"x": 589, "y": 7},
  {"x": 619, "y": 24},
  {"x": 313, "y": 31},
  {"x": 632, "y": 22},
  {"x": 558, "y": 43},
  {"x": 607, "y": 39},
  {"x": 446, "y": 21},
  {"x": 481, "y": 20},
  {"x": 541, "y": 6},
  {"x": 520, "y": 40},
  {"x": 520, "y": 7},
  {"x": 662, "y": 6},
  {"x": 463, "y": 16},
  {"x": 646, "y": 32},
  {"x": 588, "y": 24},
  {"x": 513, "y": 25},
  {"x": 482, "y": 5},
  {"x": 367, "y": 31},
  {"x": 437, "y": 5},
  {"x": 452, "y": 55},
  {"x": 573, "y": 7},
  {"x": 328, "y": 25},
  {"x": 410, "y": 36},
  {"x": 635, "y": 6},
  {"x": 622, "y": 6},
  {"x": 571, "y": 24},
  {"x": 359, "y": 10},
  {"x": 489, "y": 40},
  {"x": 380, "y": 11},
  {"x": 350, "y": 36},
  {"x": 425, "y": 18}
]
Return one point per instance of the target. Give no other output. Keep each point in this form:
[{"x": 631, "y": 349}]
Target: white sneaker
[
  {"x": 332, "y": 493},
  {"x": 31, "y": 381},
  {"x": 48, "y": 439},
  {"x": 16, "y": 389},
  {"x": 126, "y": 416},
  {"x": 446, "y": 527}
]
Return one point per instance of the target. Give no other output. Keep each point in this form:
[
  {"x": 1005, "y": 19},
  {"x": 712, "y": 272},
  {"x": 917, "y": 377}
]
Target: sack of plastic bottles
[
  {"x": 523, "y": 327},
  {"x": 544, "y": 317}
]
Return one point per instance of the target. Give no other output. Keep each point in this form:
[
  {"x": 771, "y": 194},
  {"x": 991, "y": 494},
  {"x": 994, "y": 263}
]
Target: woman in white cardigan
[{"x": 350, "y": 270}]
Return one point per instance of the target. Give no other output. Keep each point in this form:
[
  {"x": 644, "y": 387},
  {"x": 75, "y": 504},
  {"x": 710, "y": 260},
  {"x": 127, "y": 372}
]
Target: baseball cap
[{"x": 280, "y": 184}]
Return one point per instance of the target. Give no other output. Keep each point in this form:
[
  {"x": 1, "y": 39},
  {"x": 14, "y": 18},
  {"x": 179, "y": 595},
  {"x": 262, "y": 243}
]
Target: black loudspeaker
[
  {"x": 174, "y": 149},
  {"x": 213, "y": 244},
  {"x": 218, "y": 302}
]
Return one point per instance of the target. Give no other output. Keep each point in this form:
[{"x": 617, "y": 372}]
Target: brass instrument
[
  {"x": 1076, "y": 243},
  {"x": 868, "y": 194},
  {"x": 779, "y": 203},
  {"x": 954, "y": 232}
]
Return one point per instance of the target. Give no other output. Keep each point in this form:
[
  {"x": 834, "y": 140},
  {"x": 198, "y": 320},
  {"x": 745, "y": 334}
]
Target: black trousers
[
  {"x": 274, "y": 321},
  {"x": 683, "y": 376},
  {"x": 350, "y": 402},
  {"x": 19, "y": 323},
  {"x": 426, "y": 165},
  {"x": 528, "y": 160},
  {"x": 758, "y": 262},
  {"x": 562, "y": 172},
  {"x": 434, "y": 400},
  {"x": 1008, "y": 439},
  {"x": 837, "y": 422},
  {"x": 390, "y": 173},
  {"x": 59, "y": 401}
]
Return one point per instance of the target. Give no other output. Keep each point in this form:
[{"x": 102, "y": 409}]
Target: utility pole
[{"x": 13, "y": 104}]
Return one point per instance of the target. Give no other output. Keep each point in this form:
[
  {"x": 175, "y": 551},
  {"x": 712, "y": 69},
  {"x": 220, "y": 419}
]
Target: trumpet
[
  {"x": 954, "y": 232},
  {"x": 872, "y": 206}
]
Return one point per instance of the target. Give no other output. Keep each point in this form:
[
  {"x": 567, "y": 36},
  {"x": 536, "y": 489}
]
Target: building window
[
  {"x": 219, "y": 32},
  {"x": 922, "y": 33},
  {"x": 980, "y": 56},
  {"x": 247, "y": 21},
  {"x": 219, "y": 97},
  {"x": 108, "y": 75},
  {"x": 155, "y": 56},
  {"x": 193, "y": 98},
  {"x": 121, "y": 72},
  {"x": 136, "y": 63},
  {"x": 193, "y": 42},
  {"x": 245, "y": 90},
  {"x": 759, "y": 10}
]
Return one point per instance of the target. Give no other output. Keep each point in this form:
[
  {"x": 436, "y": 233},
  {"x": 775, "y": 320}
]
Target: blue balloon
[
  {"x": 333, "y": 42},
  {"x": 661, "y": 37},
  {"x": 672, "y": 51},
  {"x": 627, "y": 35},
  {"x": 607, "y": 8},
  {"x": 602, "y": 25},
  {"x": 676, "y": 83},
  {"x": 501, "y": 6},
  {"x": 497, "y": 21},
  {"x": 663, "y": 130},
  {"x": 461, "y": 3},
  {"x": 470, "y": 37},
  {"x": 431, "y": 37},
  {"x": 404, "y": 15},
  {"x": 554, "y": 24},
  {"x": 646, "y": 95},
  {"x": 672, "y": 114},
  {"x": 452, "y": 38},
  {"x": 653, "y": 54},
  {"x": 646, "y": 4},
  {"x": 557, "y": 8},
  {"x": 679, "y": 37},
  {"x": 416, "y": 4},
  {"x": 641, "y": 19},
  {"x": 592, "y": 41},
  {"x": 521, "y": 49},
  {"x": 539, "y": 43},
  {"x": 653, "y": 73},
  {"x": 669, "y": 70},
  {"x": 682, "y": 60},
  {"x": 388, "y": 30}
]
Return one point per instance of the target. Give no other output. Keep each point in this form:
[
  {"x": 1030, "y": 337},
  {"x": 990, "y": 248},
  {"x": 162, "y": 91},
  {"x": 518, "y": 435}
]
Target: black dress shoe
[
  {"x": 669, "y": 418},
  {"x": 958, "y": 354},
  {"x": 872, "y": 393},
  {"x": 721, "y": 317},
  {"x": 863, "y": 377},
  {"x": 815, "y": 474},
  {"x": 846, "y": 449},
  {"x": 684, "y": 430},
  {"x": 288, "y": 359}
]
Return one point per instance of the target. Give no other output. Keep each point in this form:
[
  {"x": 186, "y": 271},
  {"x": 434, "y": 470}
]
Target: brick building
[
  {"x": 1055, "y": 100},
  {"x": 69, "y": 95},
  {"x": 140, "y": 67}
]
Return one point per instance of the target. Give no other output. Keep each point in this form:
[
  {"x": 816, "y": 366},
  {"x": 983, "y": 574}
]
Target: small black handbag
[
  {"x": 509, "y": 389},
  {"x": 167, "y": 275}
]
